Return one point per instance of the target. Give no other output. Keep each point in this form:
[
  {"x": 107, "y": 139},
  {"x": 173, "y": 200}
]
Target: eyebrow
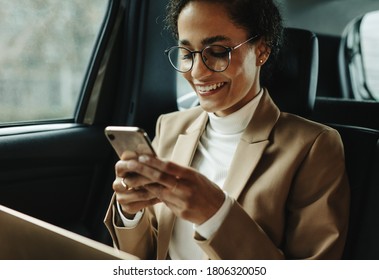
[{"x": 207, "y": 41}]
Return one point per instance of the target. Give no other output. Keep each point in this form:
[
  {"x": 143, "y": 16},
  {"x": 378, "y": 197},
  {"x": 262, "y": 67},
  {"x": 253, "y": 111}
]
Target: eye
[
  {"x": 217, "y": 51},
  {"x": 184, "y": 54}
]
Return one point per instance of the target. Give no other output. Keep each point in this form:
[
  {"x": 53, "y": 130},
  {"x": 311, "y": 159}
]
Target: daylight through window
[{"x": 45, "y": 48}]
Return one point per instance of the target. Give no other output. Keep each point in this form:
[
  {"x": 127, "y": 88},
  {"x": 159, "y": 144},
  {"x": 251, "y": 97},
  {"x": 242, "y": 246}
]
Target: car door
[{"x": 59, "y": 168}]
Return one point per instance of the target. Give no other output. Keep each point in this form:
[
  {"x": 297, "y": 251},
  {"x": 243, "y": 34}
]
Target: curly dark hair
[{"x": 257, "y": 17}]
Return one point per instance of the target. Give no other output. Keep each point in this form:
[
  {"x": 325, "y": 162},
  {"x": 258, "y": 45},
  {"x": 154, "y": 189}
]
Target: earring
[{"x": 261, "y": 61}]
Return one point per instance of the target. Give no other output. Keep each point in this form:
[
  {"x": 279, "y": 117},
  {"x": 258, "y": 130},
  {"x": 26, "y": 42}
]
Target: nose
[{"x": 199, "y": 69}]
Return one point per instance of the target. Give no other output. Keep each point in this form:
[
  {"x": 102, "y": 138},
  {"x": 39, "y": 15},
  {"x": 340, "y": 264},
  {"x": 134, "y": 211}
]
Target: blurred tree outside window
[{"x": 45, "y": 49}]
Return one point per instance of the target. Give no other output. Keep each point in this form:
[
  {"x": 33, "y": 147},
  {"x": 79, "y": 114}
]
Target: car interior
[{"x": 61, "y": 170}]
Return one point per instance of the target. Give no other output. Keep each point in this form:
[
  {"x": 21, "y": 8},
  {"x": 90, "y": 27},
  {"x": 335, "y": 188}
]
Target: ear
[{"x": 262, "y": 52}]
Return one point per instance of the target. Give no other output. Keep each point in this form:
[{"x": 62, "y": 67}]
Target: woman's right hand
[{"x": 134, "y": 197}]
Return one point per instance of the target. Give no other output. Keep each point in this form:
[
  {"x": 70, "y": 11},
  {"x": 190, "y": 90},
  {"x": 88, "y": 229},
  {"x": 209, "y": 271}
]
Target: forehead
[{"x": 202, "y": 19}]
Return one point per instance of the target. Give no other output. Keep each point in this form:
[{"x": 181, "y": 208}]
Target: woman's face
[{"x": 201, "y": 24}]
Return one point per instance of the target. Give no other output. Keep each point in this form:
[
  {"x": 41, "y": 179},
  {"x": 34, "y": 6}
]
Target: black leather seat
[
  {"x": 362, "y": 163},
  {"x": 293, "y": 80},
  {"x": 293, "y": 87},
  {"x": 361, "y": 113}
]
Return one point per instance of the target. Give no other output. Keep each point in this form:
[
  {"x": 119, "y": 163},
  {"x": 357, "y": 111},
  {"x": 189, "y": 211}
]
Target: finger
[
  {"x": 118, "y": 185},
  {"x": 134, "y": 207},
  {"x": 135, "y": 181},
  {"x": 167, "y": 173},
  {"x": 154, "y": 189},
  {"x": 133, "y": 201},
  {"x": 131, "y": 178},
  {"x": 150, "y": 174},
  {"x": 125, "y": 167},
  {"x": 134, "y": 195},
  {"x": 124, "y": 183},
  {"x": 164, "y": 194},
  {"x": 168, "y": 167},
  {"x": 158, "y": 171},
  {"x": 126, "y": 155},
  {"x": 121, "y": 168}
]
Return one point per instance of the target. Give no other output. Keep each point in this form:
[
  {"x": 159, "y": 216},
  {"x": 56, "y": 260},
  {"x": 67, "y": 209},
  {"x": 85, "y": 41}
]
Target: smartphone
[{"x": 129, "y": 139}]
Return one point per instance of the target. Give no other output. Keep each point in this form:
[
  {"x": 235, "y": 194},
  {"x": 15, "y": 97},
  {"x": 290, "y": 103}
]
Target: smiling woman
[
  {"x": 44, "y": 55},
  {"x": 279, "y": 178},
  {"x": 234, "y": 178}
]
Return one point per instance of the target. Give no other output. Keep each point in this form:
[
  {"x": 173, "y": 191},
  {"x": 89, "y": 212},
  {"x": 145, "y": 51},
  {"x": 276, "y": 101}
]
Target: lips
[{"x": 207, "y": 89}]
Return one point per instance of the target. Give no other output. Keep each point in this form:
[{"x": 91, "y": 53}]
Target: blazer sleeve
[
  {"x": 138, "y": 241},
  {"x": 316, "y": 216}
]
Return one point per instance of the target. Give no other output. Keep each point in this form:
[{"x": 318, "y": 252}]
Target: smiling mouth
[{"x": 203, "y": 90}]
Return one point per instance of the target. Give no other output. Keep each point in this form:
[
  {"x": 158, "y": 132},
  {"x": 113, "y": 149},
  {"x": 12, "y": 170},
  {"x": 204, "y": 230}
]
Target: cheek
[
  {"x": 250, "y": 62},
  {"x": 248, "y": 69},
  {"x": 243, "y": 74},
  {"x": 244, "y": 64},
  {"x": 187, "y": 76}
]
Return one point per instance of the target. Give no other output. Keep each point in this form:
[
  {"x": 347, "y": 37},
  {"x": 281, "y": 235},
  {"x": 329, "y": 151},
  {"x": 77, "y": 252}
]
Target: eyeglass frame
[{"x": 228, "y": 49}]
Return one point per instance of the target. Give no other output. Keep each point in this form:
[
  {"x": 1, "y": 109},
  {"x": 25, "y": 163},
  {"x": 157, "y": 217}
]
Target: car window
[
  {"x": 186, "y": 96},
  {"x": 45, "y": 47},
  {"x": 370, "y": 52},
  {"x": 361, "y": 56}
]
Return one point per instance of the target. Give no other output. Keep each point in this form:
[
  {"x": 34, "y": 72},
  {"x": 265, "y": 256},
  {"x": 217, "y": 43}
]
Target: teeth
[{"x": 209, "y": 87}]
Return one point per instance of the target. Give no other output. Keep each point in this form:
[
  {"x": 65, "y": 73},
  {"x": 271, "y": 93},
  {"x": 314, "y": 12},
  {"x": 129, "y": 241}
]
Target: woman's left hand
[{"x": 189, "y": 194}]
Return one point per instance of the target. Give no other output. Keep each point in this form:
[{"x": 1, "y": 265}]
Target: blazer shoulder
[
  {"x": 180, "y": 120},
  {"x": 301, "y": 127}
]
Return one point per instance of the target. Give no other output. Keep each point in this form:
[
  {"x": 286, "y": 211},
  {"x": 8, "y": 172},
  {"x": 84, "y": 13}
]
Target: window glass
[
  {"x": 370, "y": 52},
  {"x": 186, "y": 96},
  {"x": 45, "y": 47}
]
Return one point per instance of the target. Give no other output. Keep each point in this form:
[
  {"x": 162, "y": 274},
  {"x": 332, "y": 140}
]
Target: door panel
[{"x": 53, "y": 174}]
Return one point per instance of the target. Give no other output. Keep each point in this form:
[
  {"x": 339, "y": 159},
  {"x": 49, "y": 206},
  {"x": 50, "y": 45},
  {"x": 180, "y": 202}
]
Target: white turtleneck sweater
[{"x": 213, "y": 157}]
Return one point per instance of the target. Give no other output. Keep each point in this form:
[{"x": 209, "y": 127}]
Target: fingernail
[{"x": 143, "y": 158}]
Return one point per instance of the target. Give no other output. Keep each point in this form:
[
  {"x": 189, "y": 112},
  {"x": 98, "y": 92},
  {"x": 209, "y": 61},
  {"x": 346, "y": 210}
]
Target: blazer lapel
[
  {"x": 248, "y": 154},
  {"x": 252, "y": 146},
  {"x": 183, "y": 153},
  {"x": 186, "y": 144}
]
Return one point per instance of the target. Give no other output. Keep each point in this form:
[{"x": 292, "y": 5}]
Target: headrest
[{"x": 293, "y": 80}]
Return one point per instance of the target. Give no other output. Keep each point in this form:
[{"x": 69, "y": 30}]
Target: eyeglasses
[{"x": 215, "y": 57}]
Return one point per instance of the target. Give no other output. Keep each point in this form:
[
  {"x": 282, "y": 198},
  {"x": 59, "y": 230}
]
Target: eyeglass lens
[{"x": 215, "y": 57}]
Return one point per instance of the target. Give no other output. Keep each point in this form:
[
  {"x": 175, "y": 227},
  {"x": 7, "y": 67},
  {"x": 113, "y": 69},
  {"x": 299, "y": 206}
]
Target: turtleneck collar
[{"x": 237, "y": 121}]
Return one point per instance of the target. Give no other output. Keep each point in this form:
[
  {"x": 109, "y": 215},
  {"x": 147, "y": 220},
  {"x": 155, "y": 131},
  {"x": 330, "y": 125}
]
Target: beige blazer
[{"x": 287, "y": 179}]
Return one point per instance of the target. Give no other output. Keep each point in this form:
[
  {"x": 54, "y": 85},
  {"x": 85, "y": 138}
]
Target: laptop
[{"x": 26, "y": 238}]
